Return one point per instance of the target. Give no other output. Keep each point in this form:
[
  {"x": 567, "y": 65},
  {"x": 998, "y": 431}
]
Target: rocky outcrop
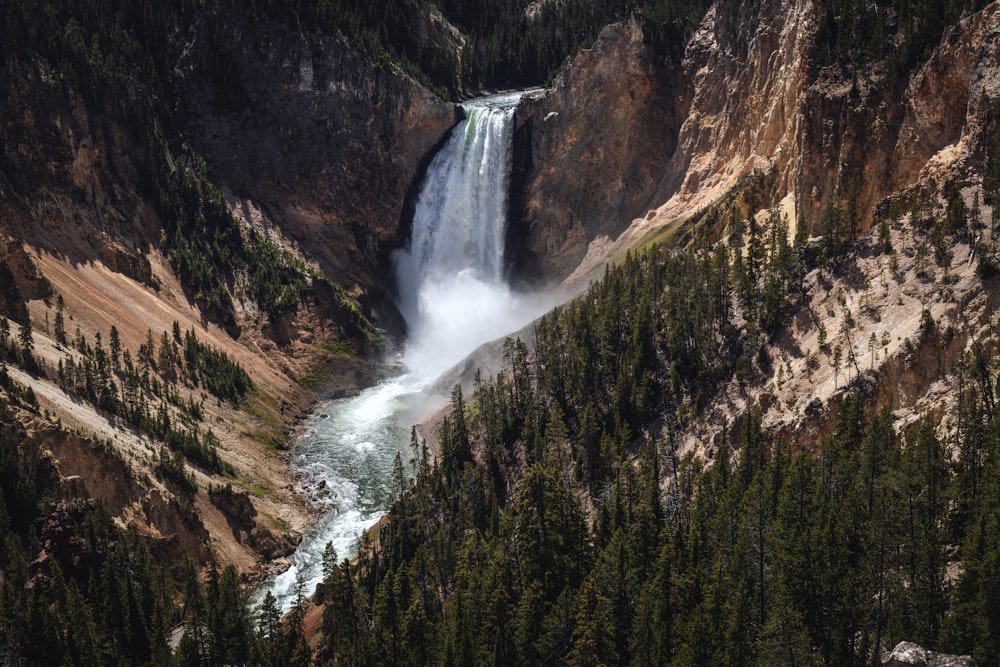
[
  {"x": 72, "y": 174},
  {"x": 26, "y": 278},
  {"x": 61, "y": 540},
  {"x": 634, "y": 131},
  {"x": 236, "y": 507},
  {"x": 324, "y": 143},
  {"x": 863, "y": 138},
  {"x": 589, "y": 152},
  {"x": 742, "y": 70},
  {"x": 908, "y": 654},
  {"x": 272, "y": 544},
  {"x": 96, "y": 471},
  {"x": 624, "y": 130}
]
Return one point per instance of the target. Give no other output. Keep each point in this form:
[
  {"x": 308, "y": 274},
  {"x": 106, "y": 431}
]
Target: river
[{"x": 454, "y": 296}]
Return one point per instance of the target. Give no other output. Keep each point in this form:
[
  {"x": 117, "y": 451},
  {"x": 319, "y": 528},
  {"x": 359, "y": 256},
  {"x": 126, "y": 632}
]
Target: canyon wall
[
  {"x": 327, "y": 145},
  {"x": 314, "y": 148},
  {"x": 589, "y": 151},
  {"x": 664, "y": 138},
  {"x": 862, "y": 139}
]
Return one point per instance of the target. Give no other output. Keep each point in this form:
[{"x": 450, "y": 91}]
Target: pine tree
[
  {"x": 60, "y": 322},
  {"x": 26, "y": 339},
  {"x": 926, "y": 478},
  {"x": 115, "y": 347}
]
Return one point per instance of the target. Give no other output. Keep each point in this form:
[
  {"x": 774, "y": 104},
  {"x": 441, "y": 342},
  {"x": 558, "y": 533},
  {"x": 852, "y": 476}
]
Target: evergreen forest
[
  {"x": 104, "y": 47},
  {"x": 559, "y": 523}
]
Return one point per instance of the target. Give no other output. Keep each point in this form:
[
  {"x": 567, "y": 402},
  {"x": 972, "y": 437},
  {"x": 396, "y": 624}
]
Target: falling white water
[
  {"x": 454, "y": 298},
  {"x": 451, "y": 283}
]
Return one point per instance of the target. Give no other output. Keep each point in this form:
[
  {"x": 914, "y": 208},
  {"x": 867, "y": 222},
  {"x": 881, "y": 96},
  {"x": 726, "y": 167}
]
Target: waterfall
[
  {"x": 460, "y": 216},
  {"x": 454, "y": 298},
  {"x": 451, "y": 277}
]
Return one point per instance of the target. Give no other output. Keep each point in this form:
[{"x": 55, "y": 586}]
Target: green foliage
[
  {"x": 989, "y": 112},
  {"x": 220, "y": 375},
  {"x": 896, "y": 32},
  {"x": 507, "y": 47},
  {"x": 504, "y": 47},
  {"x": 96, "y": 597},
  {"x": 142, "y": 393},
  {"x": 766, "y": 556},
  {"x": 201, "y": 236},
  {"x": 171, "y": 469},
  {"x": 206, "y": 242},
  {"x": 111, "y": 48}
]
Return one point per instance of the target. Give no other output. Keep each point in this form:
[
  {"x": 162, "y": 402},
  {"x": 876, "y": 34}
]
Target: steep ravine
[
  {"x": 315, "y": 149},
  {"x": 321, "y": 153}
]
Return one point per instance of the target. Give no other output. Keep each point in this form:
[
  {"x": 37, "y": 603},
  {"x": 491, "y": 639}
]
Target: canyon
[{"x": 322, "y": 153}]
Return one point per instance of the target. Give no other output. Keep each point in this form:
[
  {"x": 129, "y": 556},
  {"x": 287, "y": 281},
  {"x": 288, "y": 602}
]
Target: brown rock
[
  {"x": 273, "y": 544},
  {"x": 589, "y": 151},
  {"x": 236, "y": 507},
  {"x": 121, "y": 260},
  {"x": 624, "y": 129},
  {"x": 325, "y": 143},
  {"x": 860, "y": 143}
]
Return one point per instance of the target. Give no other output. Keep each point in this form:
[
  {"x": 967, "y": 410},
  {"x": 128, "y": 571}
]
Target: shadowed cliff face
[
  {"x": 624, "y": 131},
  {"x": 73, "y": 179},
  {"x": 326, "y": 144},
  {"x": 322, "y": 143},
  {"x": 589, "y": 152}
]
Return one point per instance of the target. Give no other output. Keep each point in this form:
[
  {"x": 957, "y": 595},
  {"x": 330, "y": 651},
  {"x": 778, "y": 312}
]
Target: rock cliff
[
  {"x": 72, "y": 178},
  {"x": 862, "y": 140},
  {"x": 678, "y": 134},
  {"x": 665, "y": 138},
  {"x": 326, "y": 145},
  {"x": 589, "y": 151}
]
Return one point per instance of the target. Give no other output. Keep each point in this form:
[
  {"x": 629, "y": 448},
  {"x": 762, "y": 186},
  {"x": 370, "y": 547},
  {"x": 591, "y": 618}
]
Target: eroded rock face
[
  {"x": 743, "y": 72},
  {"x": 71, "y": 176},
  {"x": 589, "y": 152},
  {"x": 859, "y": 141},
  {"x": 624, "y": 131},
  {"x": 325, "y": 144}
]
